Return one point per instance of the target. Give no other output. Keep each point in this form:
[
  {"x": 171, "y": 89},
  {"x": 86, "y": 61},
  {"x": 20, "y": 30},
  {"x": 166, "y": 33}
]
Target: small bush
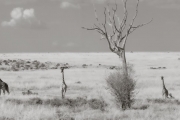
[
  {"x": 35, "y": 101},
  {"x": 122, "y": 87},
  {"x": 97, "y": 104},
  {"x": 140, "y": 107}
]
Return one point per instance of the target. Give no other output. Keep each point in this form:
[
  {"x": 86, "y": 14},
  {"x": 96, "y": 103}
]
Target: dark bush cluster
[
  {"x": 29, "y": 92},
  {"x": 164, "y": 101},
  {"x": 122, "y": 87},
  {"x": 5, "y": 118},
  {"x": 92, "y": 103},
  {"x": 19, "y": 65}
]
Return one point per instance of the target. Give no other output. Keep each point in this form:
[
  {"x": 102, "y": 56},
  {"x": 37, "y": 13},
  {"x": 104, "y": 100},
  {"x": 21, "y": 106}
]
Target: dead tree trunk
[
  {"x": 64, "y": 86},
  {"x": 115, "y": 31},
  {"x": 124, "y": 63}
]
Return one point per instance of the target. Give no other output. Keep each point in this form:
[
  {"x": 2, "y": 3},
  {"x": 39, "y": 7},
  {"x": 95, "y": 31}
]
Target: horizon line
[{"x": 91, "y": 52}]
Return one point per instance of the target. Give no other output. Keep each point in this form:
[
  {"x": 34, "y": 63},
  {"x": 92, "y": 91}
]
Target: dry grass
[{"x": 91, "y": 85}]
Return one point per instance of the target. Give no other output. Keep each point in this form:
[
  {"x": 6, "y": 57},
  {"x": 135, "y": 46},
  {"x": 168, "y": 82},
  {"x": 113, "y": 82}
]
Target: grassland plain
[{"x": 89, "y": 83}]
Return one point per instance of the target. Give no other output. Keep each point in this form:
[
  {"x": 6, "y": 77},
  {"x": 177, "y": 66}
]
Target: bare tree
[{"x": 115, "y": 31}]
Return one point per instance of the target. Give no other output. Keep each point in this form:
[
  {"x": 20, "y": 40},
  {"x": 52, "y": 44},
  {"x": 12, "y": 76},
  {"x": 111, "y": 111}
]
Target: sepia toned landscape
[
  {"x": 89, "y": 60},
  {"x": 87, "y": 96}
]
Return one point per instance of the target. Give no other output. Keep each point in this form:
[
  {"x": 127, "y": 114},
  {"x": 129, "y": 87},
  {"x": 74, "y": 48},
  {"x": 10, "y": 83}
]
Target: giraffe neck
[{"x": 163, "y": 83}]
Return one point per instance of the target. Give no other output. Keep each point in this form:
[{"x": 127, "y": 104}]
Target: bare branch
[
  {"x": 123, "y": 23},
  {"x": 135, "y": 13},
  {"x": 118, "y": 19},
  {"x": 96, "y": 28},
  {"x": 116, "y": 14},
  {"x": 111, "y": 22},
  {"x": 95, "y": 12},
  {"x": 105, "y": 20},
  {"x": 132, "y": 28},
  {"x": 105, "y": 15},
  {"x": 122, "y": 38},
  {"x": 110, "y": 19},
  {"x": 117, "y": 37},
  {"x": 113, "y": 27},
  {"x": 111, "y": 47},
  {"x": 114, "y": 20}
]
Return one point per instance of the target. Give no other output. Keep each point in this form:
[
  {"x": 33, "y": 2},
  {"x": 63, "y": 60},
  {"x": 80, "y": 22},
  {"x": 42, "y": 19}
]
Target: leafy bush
[{"x": 122, "y": 87}]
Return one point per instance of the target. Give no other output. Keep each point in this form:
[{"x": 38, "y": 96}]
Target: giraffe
[
  {"x": 64, "y": 86},
  {"x": 165, "y": 92},
  {"x": 4, "y": 87}
]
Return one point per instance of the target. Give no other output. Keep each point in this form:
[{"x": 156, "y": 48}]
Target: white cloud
[
  {"x": 16, "y": 13},
  {"x": 24, "y": 18},
  {"x": 28, "y": 13},
  {"x": 66, "y": 4}
]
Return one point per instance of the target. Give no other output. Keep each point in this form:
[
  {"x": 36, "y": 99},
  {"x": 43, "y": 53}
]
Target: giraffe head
[
  {"x": 162, "y": 77},
  {"x": 62, "y": 69}
]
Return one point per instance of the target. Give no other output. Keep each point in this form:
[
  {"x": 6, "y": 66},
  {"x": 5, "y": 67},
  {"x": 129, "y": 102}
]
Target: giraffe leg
[
  {"x": 4, "y": 91},
  {"x": 162, "y": 95},
  {"x": 7, "y": 88},
  {"x": 62, "y": 92},
  {"x": 7, "y": 91},
  {"x": 167, "y": 96}
]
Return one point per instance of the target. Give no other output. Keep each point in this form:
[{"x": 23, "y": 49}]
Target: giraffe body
[
  {"x": 165, "y": 92},
  {"x": 64, "y": 86},
  {"x": 4, "y": 87}
]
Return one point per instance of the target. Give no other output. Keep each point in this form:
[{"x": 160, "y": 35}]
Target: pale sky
[{"x": 55, "y": 25}]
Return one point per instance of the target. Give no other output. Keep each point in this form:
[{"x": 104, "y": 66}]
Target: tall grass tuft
[{"x": 122, "y": 87}]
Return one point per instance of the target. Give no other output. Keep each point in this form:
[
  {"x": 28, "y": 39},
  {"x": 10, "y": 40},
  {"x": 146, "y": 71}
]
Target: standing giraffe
[
  {"x": 165, "y": 92},
  {"x": 64, "y": 86}
]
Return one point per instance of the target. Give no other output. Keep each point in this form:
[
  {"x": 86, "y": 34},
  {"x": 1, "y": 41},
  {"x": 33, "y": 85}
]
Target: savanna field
[{"x": 87, "y": 97}]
